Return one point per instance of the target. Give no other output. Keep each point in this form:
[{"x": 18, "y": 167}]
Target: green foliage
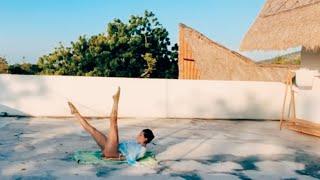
[
  {"x": 24, "y": 68},
  {"x": 296, "y": 61},
  {"x": 151, "y": 62},
  {"x": 279, "y": 60},
  {"x": 139, "y": 48},
  {"x": 3, "y": 65},
  {"x": 287, "y": 60}
]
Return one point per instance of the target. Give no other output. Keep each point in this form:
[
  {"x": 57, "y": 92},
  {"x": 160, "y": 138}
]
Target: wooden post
[
  {"x": 292, "y": 103},
  {"x": 287, "y": 82}
]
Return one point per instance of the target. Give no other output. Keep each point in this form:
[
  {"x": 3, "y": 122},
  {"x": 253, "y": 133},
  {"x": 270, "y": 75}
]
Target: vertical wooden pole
[
  {"x": 181, "y": 53},
  {"x": 282, "y": 118},
  {"x": 294, "y": 107}
]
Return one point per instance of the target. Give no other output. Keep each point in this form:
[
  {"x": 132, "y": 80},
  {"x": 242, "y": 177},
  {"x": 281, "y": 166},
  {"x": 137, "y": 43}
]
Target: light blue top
[{"x": 132, "y": 151}]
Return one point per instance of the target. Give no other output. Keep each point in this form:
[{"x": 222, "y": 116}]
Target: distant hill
[{"x": 287, "y": 59}]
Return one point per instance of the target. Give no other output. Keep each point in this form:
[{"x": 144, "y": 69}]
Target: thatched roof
[
  {"x": 283, "y": 24},
  {"x": 216, "y": 62},
  {"x": 210, "y": 42}
]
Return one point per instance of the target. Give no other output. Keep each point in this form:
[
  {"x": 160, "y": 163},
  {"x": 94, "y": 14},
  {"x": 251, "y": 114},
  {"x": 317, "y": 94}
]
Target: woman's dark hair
[{"x": 148, "y": 134}]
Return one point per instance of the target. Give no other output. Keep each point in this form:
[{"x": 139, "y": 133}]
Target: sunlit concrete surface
[{"x": 40, "y": 148}]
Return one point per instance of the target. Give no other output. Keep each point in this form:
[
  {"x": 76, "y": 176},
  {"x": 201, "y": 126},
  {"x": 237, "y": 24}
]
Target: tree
[
  {"x": 151, "y": 62},
  {"x": 139, "y": 48},
  {"x": 3, "y": 65},
  {"x": 24, "y": 68}
]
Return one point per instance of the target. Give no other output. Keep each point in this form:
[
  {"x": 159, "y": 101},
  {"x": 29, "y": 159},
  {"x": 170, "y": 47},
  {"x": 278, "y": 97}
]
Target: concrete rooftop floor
[{"x": 40, "y": 148}]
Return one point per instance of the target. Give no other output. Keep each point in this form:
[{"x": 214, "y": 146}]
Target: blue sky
[{"x": 32, "y": 28}]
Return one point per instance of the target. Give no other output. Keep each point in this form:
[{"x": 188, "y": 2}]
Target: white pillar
[{"x": 310, "y": 59}]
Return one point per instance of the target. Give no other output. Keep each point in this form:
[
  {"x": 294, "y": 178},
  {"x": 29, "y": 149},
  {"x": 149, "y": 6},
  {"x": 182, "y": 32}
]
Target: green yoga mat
[{"x": 95, "y": 157}]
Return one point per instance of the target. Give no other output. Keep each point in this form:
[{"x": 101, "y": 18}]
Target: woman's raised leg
[
  {"x": 111, "y": 147},
  {"x": 99, "y": 137}
]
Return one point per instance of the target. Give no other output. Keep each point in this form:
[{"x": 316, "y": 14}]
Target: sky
[{"x": 32, "y": 28}]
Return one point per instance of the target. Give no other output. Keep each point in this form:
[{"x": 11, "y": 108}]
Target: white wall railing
[{"x": 159, "y": 98}]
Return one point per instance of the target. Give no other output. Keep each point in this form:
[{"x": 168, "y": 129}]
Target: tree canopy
[
  {"x": 139, "y": 48},
  {"x": 23, "y": 68},
  {"x": 3, "y": 65}
]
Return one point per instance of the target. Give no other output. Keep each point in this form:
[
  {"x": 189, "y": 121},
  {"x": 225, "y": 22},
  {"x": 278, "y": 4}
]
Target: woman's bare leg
[
  {"x": 99, "y": 137},
  {"x": 111, "y": 148}
]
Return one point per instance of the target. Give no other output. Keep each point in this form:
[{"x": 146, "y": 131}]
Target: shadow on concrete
[
  {"x": 6, "y": 111},
  {"x": 11, "y": 93}
]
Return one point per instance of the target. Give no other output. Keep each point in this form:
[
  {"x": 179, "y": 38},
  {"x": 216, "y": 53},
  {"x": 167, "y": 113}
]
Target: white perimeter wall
[{"x": 48, "y": 96}]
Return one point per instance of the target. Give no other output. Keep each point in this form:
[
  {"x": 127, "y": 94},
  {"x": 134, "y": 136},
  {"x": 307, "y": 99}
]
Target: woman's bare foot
[
  {"x": 73, "y": 109},
  {"x": 117, "y": 95}
]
